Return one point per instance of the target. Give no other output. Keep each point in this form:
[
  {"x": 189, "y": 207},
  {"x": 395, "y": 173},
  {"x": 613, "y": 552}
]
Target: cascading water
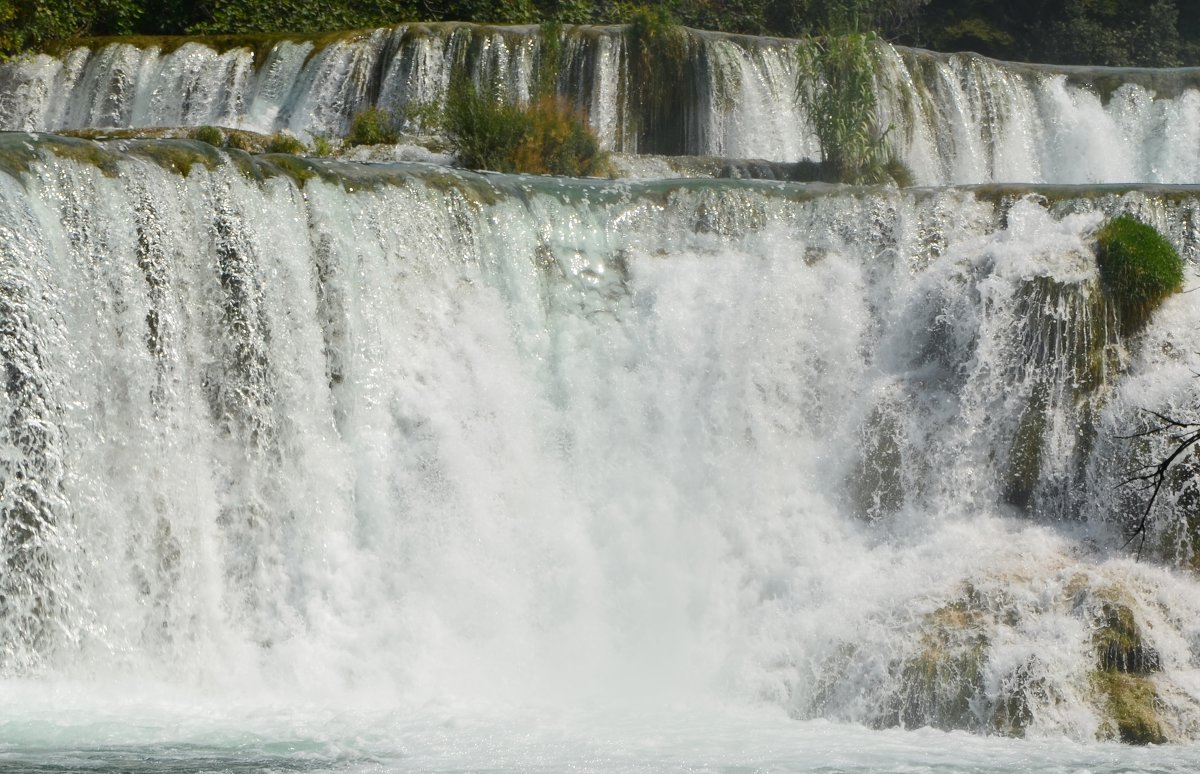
[
  {"x": 954, "y": 119},
  {"x": 358, "y": 459},
  {"x": 336, "y": 466}
]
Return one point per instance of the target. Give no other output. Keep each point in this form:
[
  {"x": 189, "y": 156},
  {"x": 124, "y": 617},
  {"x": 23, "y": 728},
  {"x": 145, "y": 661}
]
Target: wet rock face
[
  {"x": 941, "y": 683},
  {"x": 1126, "y": 693},
  {"x": 958, "y": 671},
  {"x": 1119, "y": 643}
]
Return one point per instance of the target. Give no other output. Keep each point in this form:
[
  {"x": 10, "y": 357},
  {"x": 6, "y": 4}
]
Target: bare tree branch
[{"x": 1183, "y": 436}]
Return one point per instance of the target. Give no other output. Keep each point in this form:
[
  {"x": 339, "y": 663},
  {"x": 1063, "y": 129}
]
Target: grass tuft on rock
[
  {"x": 373, "y": 126},
  {"x": 1139, "y": 268},
  {"x": 209, "y": 134},
  {"x": 281, "y": 142}
]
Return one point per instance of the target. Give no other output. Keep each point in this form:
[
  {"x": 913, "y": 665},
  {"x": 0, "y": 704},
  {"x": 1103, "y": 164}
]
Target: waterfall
[
  {"x": 954, "y": 119},
  {"x": 323, "y": 430},
  {"x": 319, "y": 464}
]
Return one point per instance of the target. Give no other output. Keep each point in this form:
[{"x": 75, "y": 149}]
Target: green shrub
[
  {"x": 209, "y": 134},
  {"x": 421, "y": 117},
  {"x": 281, "y": 142},
  {"x": 373, "y": 126},
  {"x": 838, "y": 91},
  {"x": 658, "y": 79},
  {"x": 322, "y": 146},
  {"x": 1138, "y": 268},
  {"x": 546, "y": 137},
  {"x": 557, "y": 141}
]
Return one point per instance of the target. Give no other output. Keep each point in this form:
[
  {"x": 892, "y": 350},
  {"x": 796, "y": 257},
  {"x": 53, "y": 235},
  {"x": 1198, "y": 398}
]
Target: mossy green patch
[
  {"x": 209, "y": 134},
  {"x": 1128, "y": 700},
  {"x": 1131, "y": 706},
  {"x": 1139, "y": 268},
  {"x": 1068, "y": 337},
  {"x": 298, "y": 169},
  {"x": 1118, "y": 640},
  {"x": 85, "y": 152},
  {"x": 179, "y": 156},
  {"x": 281, "y": 142}
]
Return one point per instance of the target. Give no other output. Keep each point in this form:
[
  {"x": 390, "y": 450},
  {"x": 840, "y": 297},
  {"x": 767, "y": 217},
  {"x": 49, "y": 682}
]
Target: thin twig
[{"x": 1152, "y": 477}]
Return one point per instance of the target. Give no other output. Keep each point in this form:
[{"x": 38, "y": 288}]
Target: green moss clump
[
  {"x": 373, "y": 126},
  {"x": 209, "y": 134},
  {"x": 286, "y": 143},
  {"x": 1138, "y": 269},
  {"x": 243, "y": 141}
]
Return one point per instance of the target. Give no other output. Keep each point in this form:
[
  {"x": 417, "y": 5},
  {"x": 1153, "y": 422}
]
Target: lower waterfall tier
[{"x": 400, "y": 434}]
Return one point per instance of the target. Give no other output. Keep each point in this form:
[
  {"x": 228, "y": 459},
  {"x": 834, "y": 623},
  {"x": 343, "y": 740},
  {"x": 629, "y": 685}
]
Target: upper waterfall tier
[{"x": 957, "y": 118}]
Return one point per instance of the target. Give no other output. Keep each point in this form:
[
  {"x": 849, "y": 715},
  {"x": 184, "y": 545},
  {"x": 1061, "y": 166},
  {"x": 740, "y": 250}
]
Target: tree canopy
[{"x": 1156, "y": 33}]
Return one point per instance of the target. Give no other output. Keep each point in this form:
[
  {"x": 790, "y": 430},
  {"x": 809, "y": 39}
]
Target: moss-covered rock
[
  {"x": 1023, "y": 469},
  {"x": 1131, "y": 706},
  {"x": 209, "y": 134},
  {"x": 1069, "y": 348},
  {"x": 1125, "y": 693},
  {"x": 1120, "y": 646},
  {"x": 941, "y": 685},
  {"x": 1139, "y": 268},
  {"x": 1021, "y": 691},
  {"x": 282, "y": 142}
]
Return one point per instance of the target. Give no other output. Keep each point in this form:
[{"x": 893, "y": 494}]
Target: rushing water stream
[
  {"x": 313, "y": 465},
  {"x": 954, "y": 119}
]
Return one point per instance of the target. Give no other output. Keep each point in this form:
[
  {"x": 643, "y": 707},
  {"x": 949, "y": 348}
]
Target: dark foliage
[{"x": 1157, "y": 33}]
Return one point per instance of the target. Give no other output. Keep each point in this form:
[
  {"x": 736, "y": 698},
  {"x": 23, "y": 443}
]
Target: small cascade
[{"x": 953, "y": 119}]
